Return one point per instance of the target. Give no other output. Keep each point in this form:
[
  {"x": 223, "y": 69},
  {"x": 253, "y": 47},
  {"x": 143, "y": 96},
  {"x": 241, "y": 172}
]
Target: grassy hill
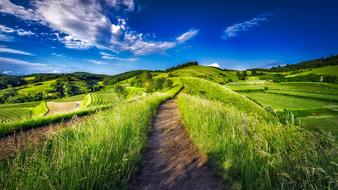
[{"x": 205, "y": 72}]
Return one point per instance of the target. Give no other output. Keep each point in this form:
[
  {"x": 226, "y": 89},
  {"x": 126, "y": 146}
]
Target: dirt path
[
  {"x": 172, "y": 161},
  {"x": 62, "y": 107}
]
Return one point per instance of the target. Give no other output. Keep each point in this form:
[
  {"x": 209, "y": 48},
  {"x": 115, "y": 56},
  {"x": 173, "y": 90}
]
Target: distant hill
[
  {"x": 210, "y": 73},
  {"x": 315, "y": 63}
]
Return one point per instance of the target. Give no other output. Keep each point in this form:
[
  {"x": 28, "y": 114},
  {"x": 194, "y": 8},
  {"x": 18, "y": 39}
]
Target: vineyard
[
  {"x": 13, "y": 114},
  {"x": 99, "y": 99}
]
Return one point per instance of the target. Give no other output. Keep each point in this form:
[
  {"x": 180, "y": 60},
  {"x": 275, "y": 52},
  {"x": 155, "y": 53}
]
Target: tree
[{"x": 120, "y": 90}]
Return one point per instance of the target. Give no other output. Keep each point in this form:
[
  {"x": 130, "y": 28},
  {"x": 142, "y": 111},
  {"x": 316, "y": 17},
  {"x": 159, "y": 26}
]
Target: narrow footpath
[{"x": 171, "y": 160}]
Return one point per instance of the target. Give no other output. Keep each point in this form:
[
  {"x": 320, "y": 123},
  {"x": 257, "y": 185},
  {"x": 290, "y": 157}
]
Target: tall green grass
[
  {"x": 256, "y": 154},
  {"x": 99, "y": 153},
  {"x": 249, "y": 147}
]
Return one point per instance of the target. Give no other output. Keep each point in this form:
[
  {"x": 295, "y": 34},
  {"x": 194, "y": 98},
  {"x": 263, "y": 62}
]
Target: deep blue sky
[{"x": 113, "y": 36}]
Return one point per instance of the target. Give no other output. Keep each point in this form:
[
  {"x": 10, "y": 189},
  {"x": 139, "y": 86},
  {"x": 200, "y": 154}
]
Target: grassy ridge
[
  {"x": 220, "y": 93},
  {"x": 101, "y": 153},
  {"x": 208, "y": 73},
  {"x": 257, "y": 154}
]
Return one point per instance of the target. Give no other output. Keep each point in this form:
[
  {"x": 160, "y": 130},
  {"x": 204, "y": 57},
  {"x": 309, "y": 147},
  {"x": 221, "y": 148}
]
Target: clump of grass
[
  {"x": 100, "y": 153},
  {"x": 257, "y": 154}
]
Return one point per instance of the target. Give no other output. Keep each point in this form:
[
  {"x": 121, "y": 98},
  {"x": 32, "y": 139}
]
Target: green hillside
[{"x": 206, "y": 72}]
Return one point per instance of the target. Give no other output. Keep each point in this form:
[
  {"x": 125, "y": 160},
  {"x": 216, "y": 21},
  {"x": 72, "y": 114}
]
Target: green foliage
[
  {"x": 120, "y": 77},
  {"x": 11, "y": 81},
  {"x": 167, "y": 83},
  {"x": 332, "y": 60},
  {"x": 40, "y": 110},
  {"x": 252, "y": 153},
  {"x": 120, "y": 90},
  {"x": 187, "y": 64}
]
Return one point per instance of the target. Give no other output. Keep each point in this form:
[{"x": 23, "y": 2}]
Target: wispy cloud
[
  {"x": 105, "y": 55},
  {"x": 97, "y": 62},
  {"x": 58, "y": 54},
  {"x": 12, "y": 61},
  {"x": 6, "y": 72},
  {"x": 233, "y": 30},
  {"x": 4, "y": 49},
  {"x": 6, "y": 38},
  {"x": 20, "y": 32},
  {"x": 187, "y": 35},
  {"x": 84, "y": 24}
]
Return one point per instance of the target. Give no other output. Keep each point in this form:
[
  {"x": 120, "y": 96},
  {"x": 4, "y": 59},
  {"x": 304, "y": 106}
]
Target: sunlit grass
[
  {"x": 100, "y": 153},
  {"x": 252, "y": 153}
]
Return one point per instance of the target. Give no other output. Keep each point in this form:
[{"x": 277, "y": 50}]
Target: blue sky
[{"x": 113, "y": 36}]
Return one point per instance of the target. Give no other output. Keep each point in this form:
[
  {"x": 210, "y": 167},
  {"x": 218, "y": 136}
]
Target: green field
[
  {"x": 327, "y": 70},
  {"x": 256, "y": 134},
  {"x": 326, "y": 123},
  {"x": 280, "y": 102}
]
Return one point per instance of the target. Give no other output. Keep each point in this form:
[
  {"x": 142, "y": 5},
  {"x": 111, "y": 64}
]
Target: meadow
[
  {"x": 256, "y": 133},
  {"x": 253, "y": 153}
]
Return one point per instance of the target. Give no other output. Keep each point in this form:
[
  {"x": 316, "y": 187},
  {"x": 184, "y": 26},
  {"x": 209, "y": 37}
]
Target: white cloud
[
  {"x": 128, "y": 5},
  {"x": 7, "y": 7},
  {"x": 105, "y": 55},
  {"x": 6, "y": 72},
  {"x": 5, "y": 60},
  {"x": 214, "y": 65},
  {"x": 187, "y": 36},
  {"x": 58, "y": 54},
  {"x": 83, "y": 24},
  {"x": 4, "y": 49},
  {"x": 97, "y": 62},
  {"x": 233, "y": 30},
  {"x": 125, "y": 39},
  {"x": 19, "y": 32},
  {"x": 6, "y": 38}
]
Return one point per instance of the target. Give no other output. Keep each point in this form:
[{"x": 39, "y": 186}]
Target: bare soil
[
  {"x": 62, "y": 107},
  {"x": 171, "y": 160}
]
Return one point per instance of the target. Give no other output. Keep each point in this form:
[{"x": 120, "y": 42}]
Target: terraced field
[
  {"x": 280, "y": 102},
  {"x": 327, "y": 123},
  {"x": 100, "y": 98},
  {"x": 13, "y": 114}
]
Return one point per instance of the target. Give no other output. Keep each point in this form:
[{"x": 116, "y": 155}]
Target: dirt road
[{"x": 171, "y": 160}]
